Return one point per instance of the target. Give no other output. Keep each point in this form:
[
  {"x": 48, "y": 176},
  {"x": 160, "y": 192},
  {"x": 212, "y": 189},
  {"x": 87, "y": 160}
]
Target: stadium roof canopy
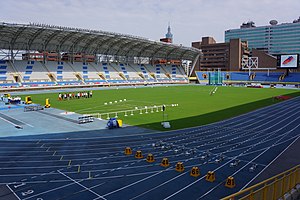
[{"x": 41, "y": 37}]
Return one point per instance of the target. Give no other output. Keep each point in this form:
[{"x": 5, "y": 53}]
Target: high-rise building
[
  {"x": 225, "y": 56},
  {"x": 273, "y": 39},
  {"x": 169, "y": 34}
]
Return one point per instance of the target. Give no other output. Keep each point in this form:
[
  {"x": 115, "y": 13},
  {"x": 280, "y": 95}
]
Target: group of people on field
[{"x": 75, "y": 95}]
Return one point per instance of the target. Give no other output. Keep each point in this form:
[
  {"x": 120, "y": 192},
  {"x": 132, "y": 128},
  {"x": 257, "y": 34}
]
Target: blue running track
[{"x": 96, "y": 168}]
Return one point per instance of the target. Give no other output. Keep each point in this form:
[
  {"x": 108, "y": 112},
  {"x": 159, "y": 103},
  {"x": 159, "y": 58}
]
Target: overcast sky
[{"x": 190, "y": 19}]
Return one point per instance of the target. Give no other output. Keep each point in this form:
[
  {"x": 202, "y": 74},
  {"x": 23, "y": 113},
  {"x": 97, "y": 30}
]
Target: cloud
[{"x": 190, "y": 19}]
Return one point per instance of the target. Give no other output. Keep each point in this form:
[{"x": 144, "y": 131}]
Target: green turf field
[{"x": 195, "y": 104}]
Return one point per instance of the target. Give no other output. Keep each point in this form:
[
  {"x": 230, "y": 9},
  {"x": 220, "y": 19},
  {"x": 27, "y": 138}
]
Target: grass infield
[{"x": 195, "y": 104}]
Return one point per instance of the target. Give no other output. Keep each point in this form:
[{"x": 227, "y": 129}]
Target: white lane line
[
  {"x": 98, "y": 195},
  {"x": 100, "y": 178},
  {"x": 212, "y": 189},
  {"x": 142, "y": 194},
  {"x": 222, "y": 166},
  {"x": 189, "y": 185},
  {"x": 270, "y": 163},
  {"x": 256, "y": 158},
  {"x": 23, "y": 180},
  {"x": 9, "y": 121},
  {"x": 15, "y": 119},
  {"x": 72, "y": 183},
  {"x": 64, "y": 187},
  {"x": 25, "y": 123},
  {"x": 122, "y": 188},
  {"x": 13, "y": 192}
]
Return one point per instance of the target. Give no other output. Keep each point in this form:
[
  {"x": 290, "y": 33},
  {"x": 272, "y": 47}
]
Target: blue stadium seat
[{"x": 292, "y": 77}]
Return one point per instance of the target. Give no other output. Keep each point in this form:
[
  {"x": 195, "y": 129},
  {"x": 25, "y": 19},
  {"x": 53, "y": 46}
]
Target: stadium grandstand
[
  {"x": 39, "y": 55},
  {"x": 179, "y": 141},
  {"x": 256, "y": 77}
]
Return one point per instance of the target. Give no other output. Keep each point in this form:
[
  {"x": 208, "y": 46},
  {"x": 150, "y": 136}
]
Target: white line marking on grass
[
  {"x": 116, "y": 108},
  {"x": 90, "y": 108},
  {"x": 81, "y": 185},
  {"x": 13, "y": 192},
  {"x": 267, "y": 108}
]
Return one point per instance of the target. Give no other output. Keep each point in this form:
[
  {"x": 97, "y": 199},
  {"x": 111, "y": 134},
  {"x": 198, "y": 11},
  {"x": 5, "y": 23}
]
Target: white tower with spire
[{"x": 169, "y": 35}]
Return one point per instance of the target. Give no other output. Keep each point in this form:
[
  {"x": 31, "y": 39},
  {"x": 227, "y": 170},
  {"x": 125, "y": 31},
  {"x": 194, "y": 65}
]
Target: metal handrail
[{"x": 290, "y": 175}]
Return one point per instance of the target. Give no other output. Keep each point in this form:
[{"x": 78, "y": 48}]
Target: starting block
[
  {"x": 150, "y": 158},
  {"x": 230, "y": 183},
  {"x": 179, "y": 167},
  {"x": 165, "y": 162},
  {"x": 235, "y": 163},
  {"x": 195, "y": 172},
  {"x": 210, "y": 176},
  {"x": 252, "y": 168},
  {"x": 128, "y": 151},
  {"x": 138, "y": 154}
]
